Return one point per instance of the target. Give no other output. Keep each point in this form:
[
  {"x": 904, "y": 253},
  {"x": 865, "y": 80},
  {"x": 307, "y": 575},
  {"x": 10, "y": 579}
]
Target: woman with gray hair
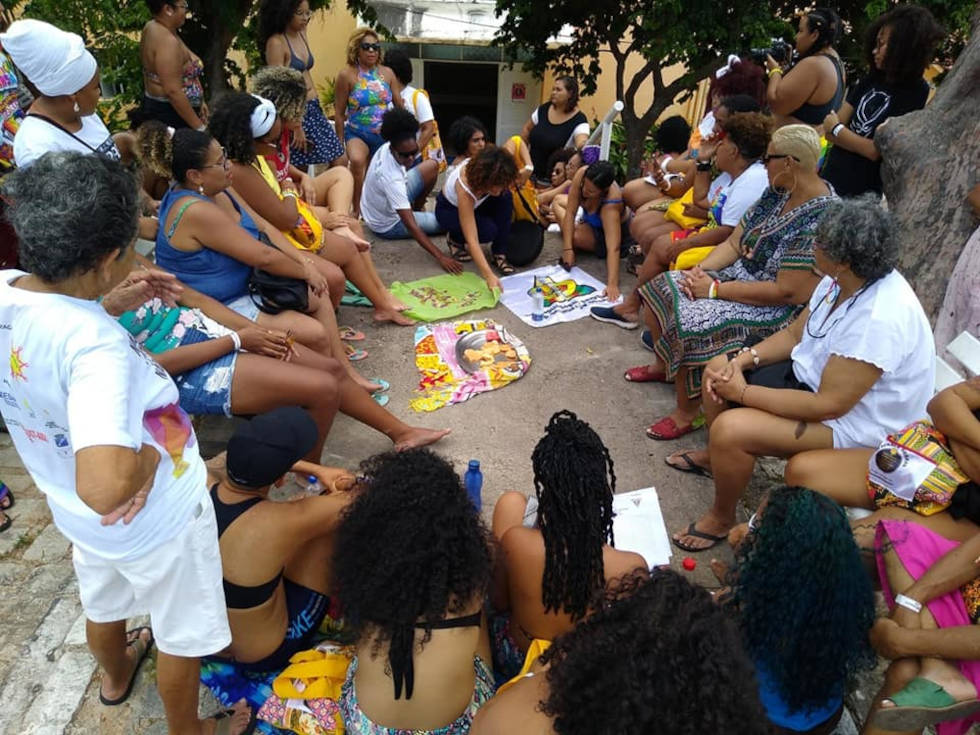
[
  {"x": 858, "y": 363},
  {"x": 98, "y": 425}
]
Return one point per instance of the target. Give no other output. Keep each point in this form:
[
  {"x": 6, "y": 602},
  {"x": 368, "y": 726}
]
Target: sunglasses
[
  {"x": 370, "y": 47},
  {"x": 773, "y": 156},
  {"x": 407, "y": 156}
]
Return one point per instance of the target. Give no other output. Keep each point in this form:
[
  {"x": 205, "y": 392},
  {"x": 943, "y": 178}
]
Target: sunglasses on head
[{"x": 370, "y": 46}]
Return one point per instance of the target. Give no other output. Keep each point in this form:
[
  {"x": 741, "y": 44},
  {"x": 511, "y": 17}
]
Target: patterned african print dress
[{"x": 694, "y": 331}]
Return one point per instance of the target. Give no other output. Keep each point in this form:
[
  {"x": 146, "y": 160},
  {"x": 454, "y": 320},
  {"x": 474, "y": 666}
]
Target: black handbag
[
  {"x": 272, "y": 293},
  {"x": 526, "y": 237}
]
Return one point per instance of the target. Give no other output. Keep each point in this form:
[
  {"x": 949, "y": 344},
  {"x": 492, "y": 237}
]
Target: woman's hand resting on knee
[
  {"x": 269, "y": 342},
  {"x": 727, "y": 384}
]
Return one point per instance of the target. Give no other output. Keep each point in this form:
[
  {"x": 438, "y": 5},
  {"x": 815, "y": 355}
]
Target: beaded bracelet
[{"x": 755, "y": 355}]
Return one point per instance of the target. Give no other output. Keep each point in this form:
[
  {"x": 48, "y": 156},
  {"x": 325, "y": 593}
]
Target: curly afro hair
[
  {"x": 155, "y": 144},
  {"x": 802, "y": 598},
  {"x": 575, "y": 482},
  {"x": 491, "y": 167},
  {"x": 410, "y": 547},
  {"x": 398, "y": 125},
  {"x": 750, "y": 132},
  {"x": 913, "y": 36},
  {"x": 231, "y": 125},
  {"x": 858, "y": 231},
  {"x": 658, "y": 655},
  {"x": 283, "y": 87},
  {"x": 460, "y": 133},
  {"x": 744, "y": 77},
  {"x": 672, "y": 135},
  {"x": 274, "y": 17}
]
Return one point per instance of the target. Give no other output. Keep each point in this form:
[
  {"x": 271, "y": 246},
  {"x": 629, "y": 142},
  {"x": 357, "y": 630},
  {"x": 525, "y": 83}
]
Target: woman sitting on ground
[
  {"x": 556, "y": 548},
  {"x": 395, "y": 190},
  {"x": 556, "y": 124},
  {"x": 210, "y": 240},
  {"x": 467, "y": 136},
  {"x": 664, "y": 175},
  {"x": 618, "y": 670},
  {"x": 931, "y": 585},
  {"x": 226, "y": 364},
  {"x": 560, "y": 180},
  {"x": 898, "y": 47},
  {"x": 857, "y": 363},
  {"x": 804, "y": 605},
  {"x": 282, "y": 35},
  {"x": 753, "y": 285},
  {"x": 604, "y": 222},
  {"x": 953, "y": 485},
  {"x": 558, "y": 197},
  {"x": 413, "y": 561},
  {"x": 472, "y": 210},
  {"x": 172, "y": 88},
  {"x": 240, "y": 123},
  {"x": 329, "y": 192},
  {"x": 814, "y": 85},
  {"x": 277, "y": 598}
]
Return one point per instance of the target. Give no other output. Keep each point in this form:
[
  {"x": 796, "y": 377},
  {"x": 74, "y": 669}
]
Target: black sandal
[
  {"x": 458, "y": 252},
  {"x": 505, "y": 268}
]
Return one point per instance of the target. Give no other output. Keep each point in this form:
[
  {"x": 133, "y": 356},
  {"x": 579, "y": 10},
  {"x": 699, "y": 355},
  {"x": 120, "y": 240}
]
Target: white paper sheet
[
  {"x": 639, "y": 526},
  {"x": 568, "y": 295}
]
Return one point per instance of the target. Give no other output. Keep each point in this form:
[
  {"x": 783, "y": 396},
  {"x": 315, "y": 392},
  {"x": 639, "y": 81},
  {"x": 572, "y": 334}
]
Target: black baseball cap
[{"x": 262, "y": 450}]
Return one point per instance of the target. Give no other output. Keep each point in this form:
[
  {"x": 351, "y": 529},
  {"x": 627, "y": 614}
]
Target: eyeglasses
[
  {"x": 303, "y": 13},
  {"x": 370, "y": 46},
  {"x": 773, "y": 156},
  {"x": 407, "y": 156},
  {"x": 181, "y": 6},
  {"x": 222, "y": 162}
]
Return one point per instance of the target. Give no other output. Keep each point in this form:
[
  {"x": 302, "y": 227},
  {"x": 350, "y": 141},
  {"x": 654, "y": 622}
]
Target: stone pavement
[{"x": 47, "y": 678}]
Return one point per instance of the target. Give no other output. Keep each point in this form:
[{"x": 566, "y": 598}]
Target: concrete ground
[{"x": 48, "y": 682}]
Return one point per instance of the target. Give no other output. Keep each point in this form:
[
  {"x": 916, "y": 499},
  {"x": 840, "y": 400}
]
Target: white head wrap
[
  {"x": 732, "y": 60},
  {"x": 263, "y": 117},
  {"x": 55, "y": 61}
]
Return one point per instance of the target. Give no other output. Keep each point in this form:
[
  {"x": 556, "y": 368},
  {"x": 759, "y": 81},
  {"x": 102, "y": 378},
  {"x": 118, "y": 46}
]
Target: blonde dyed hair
[
  {"x": 154, "y": 142},
  {"x": 800, "y": 141},
  {"x": 354, "y": 43},
  {"x": 285, "y": 88}
]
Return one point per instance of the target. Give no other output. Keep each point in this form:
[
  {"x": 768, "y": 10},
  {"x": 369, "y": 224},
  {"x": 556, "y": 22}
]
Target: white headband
[
  {"x": 263, "y": 117},
  {"x": 55, "y": 61},
  {"x": 729, "y": 65}
]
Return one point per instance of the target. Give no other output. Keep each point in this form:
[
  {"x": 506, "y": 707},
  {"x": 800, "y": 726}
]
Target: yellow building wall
[{"x": 328, "y": 33}]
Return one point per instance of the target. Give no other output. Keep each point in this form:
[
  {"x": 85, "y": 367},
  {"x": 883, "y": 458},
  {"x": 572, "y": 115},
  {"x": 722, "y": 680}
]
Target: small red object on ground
[{"x": 689, "y": 563}]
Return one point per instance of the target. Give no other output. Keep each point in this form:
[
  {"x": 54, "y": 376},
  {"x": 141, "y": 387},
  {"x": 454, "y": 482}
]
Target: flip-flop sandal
[
  {"x": 385, "y": 385},
  {"x": 381, "y": 399},
  {"x": 458, "y": 252},
  {"x": 643, "y": 374},
  {"x": 6, "y": 494},
  {"x": 350, "y": 334},
  {"x": 134, "y": 636},
  {"x": 667, "y": 429},
  {"x": 355, "y": 355},
  {"x": 921, "y": 703},
  {"x": 694, "y": 469},
  {"x": 692, "y": 531},
  {"x": 223, "y": 719},
  {"x": 505, "y": 268}
]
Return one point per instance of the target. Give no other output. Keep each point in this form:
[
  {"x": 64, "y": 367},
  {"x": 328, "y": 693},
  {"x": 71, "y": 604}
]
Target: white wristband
[
  {"x": 836, "y": 129},
  {"x": 529, "y": 167},
  {"x": 908, "y": 603},
  {"x": 237, "y": 339}
]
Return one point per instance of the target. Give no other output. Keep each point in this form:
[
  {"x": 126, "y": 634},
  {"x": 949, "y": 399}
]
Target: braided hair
[{"x": 575, "y": 483}]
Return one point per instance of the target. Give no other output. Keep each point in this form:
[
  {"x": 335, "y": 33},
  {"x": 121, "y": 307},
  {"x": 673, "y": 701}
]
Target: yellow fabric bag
[
  {"x": 313, "y": 674},
  {"x": 537, "y": 647},
  {"x": 433, "y": 149},
  {"x": 525, "y": 197},
  {"x": 307, "y": 233},
  {"x": 675, "y": 212},
  {"x": 690, "y": 258}
]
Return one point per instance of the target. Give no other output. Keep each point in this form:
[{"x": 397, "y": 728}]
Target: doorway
[{"x": 458, "y": 89}]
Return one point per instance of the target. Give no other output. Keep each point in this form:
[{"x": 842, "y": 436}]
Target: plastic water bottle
[
  {"x": 537, "y": 298},
  {"x": 473, "y": 481},
  {"x": 313, "y": 486}
]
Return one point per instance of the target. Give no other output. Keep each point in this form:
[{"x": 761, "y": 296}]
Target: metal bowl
[{"x": 475, "y": 341}]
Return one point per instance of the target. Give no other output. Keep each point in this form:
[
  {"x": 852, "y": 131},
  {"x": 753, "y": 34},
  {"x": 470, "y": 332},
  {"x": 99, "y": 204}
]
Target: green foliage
[
  {"x": 619, "y": 151},
  {"x": 327, "y": 94}
]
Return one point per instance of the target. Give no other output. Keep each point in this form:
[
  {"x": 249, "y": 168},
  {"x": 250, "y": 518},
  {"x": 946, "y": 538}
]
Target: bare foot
[
  {"x": 347, "y": 232},
  {"x": 391, "y": 315},
  {"x": 720, "y": 570},
  {"x": 414, "y": 437},
  {"x": 396, "y": 304},
  {"x": 716, "y": 531},
  {"x": 136, "y": 645},
  {"x": 240, "y": 714}
]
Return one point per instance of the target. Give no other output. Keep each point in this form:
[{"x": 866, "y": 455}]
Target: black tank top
[
  {"x": 546, "y": 138},
  {"x": 814, "y": 114}
]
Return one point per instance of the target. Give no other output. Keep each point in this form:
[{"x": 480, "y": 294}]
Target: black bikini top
[
  {"x": 402, "y": 641},
  {"x": 238, "y": 597}
]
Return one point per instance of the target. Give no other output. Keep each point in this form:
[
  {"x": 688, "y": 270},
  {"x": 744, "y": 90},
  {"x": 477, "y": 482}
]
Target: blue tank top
[
  {"x": 778, "y": 711},
  {"x": 212, "y": 273}
]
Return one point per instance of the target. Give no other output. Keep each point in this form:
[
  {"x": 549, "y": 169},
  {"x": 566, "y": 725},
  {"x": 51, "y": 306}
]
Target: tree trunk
[
  {"x": 930, "y": 160},
  {"x": 635, "y": 131}
]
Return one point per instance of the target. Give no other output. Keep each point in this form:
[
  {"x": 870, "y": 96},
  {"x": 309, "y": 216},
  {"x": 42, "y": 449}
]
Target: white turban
[
  {"x": 55, "y": 61},
  {"x": 263, "y": 117}
]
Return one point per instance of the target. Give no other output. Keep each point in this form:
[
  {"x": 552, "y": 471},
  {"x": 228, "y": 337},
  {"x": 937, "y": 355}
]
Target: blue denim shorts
[
  {"x": 244, "y": 306},
  {"x": 206, "y": 389},
  {"x": 372, "y": 140}
]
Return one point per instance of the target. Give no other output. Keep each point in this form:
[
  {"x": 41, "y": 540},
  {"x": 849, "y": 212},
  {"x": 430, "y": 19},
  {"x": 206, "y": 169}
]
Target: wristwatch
[{"x": 704, "y": 166}]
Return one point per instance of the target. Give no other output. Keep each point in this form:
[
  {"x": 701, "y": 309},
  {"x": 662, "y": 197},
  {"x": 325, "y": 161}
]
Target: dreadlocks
[{"x": 575, "y": 482}]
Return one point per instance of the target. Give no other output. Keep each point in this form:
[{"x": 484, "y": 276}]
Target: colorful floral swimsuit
[{"x": 367, "y": 101}]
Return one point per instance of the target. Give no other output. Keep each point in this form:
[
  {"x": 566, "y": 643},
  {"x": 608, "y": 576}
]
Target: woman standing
[
  {"x": 899, "y": 46},
  {"x": 556, "y": 124},
  {"x": 814, "y": 85},
  {"x": 282, "y": 34},
  {"x": 364, "y": 90},
  {"x": 172, "y": 89}
]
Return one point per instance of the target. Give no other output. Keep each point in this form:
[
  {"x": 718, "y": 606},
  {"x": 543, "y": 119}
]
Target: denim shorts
[
  {"x": 372, "y": 140},
  {"x": 244, "y": 306},
  {"x": 206, "y": 389}
]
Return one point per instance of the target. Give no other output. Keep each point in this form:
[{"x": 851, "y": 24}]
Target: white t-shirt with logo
[
  {"x": 730, "y": 199},
  {"x": 423, "y": 109},
  {"x": 886, "y": 327},
  {"x": 35, "y": 137},
  {"x": 73, "y": 378},
  {"x": 385, "y": 191}
]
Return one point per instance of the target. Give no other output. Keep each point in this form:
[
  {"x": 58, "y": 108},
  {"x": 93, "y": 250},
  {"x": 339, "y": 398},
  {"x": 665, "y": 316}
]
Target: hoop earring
[
  {"x": 791, "y": 187},
  {"x": 77, "y": 108}
]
